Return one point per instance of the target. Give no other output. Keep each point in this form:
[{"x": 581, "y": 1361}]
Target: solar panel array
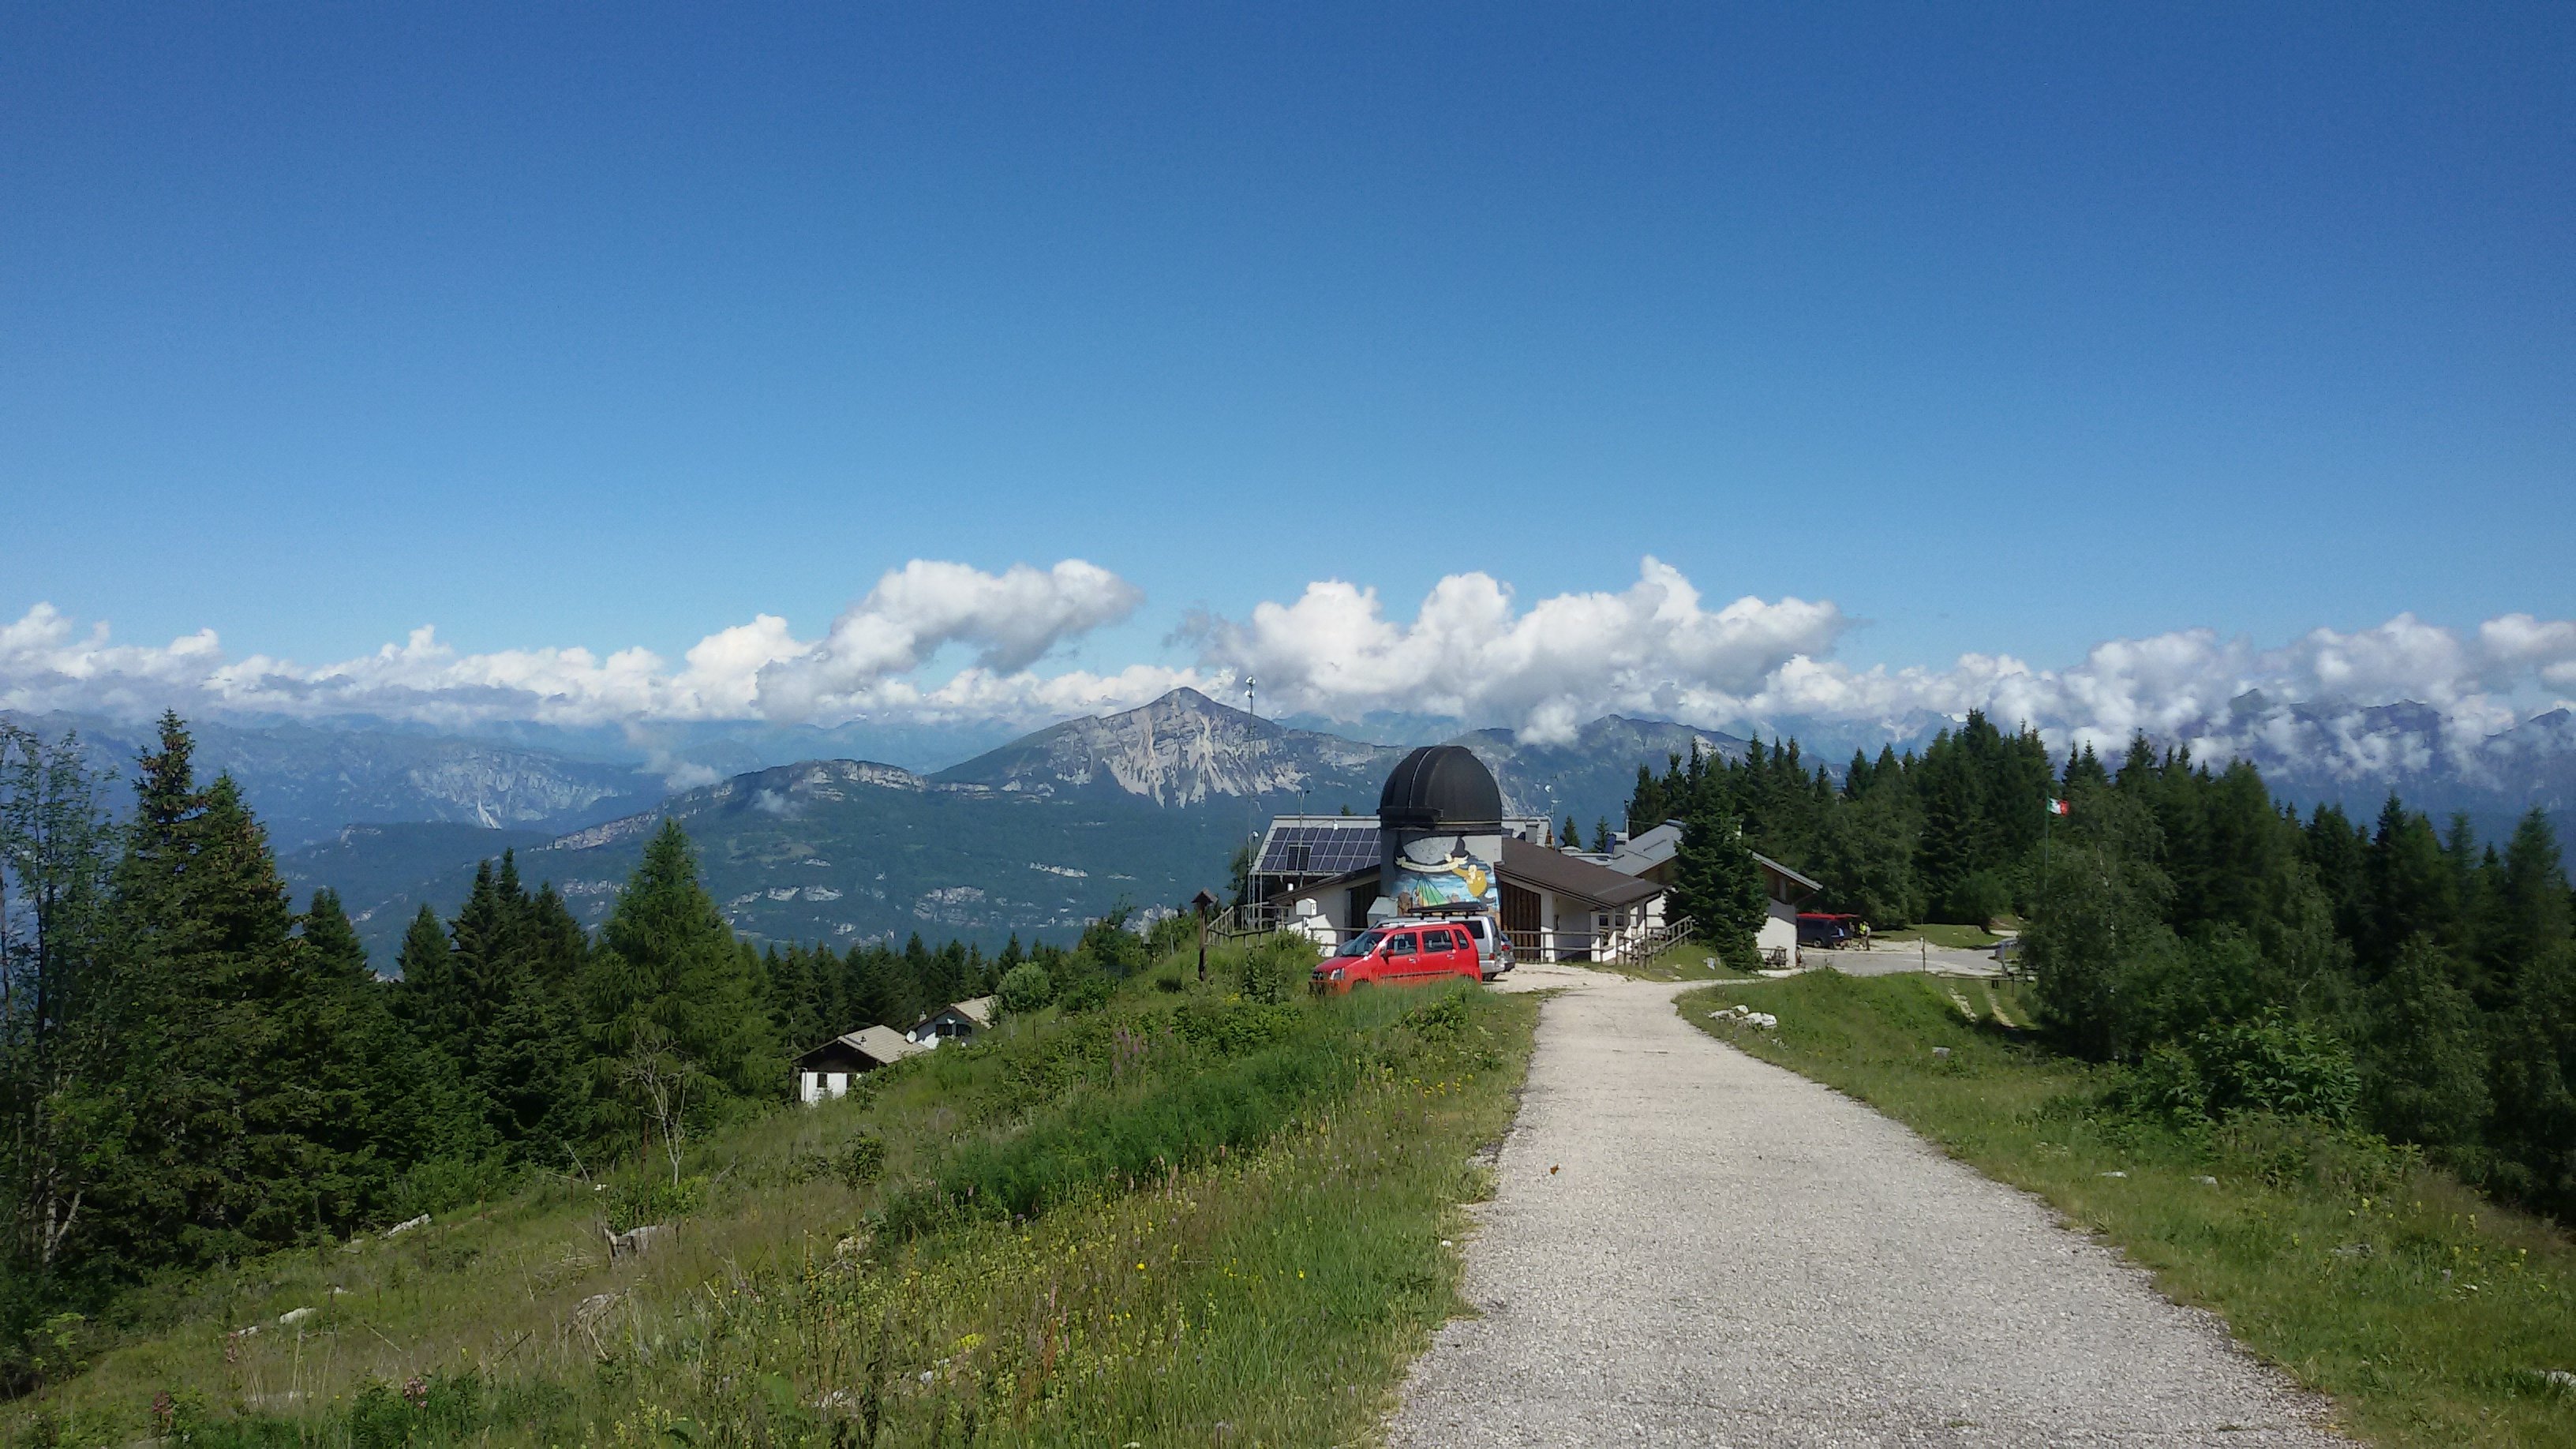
[{"x": 1319, "y": 849}]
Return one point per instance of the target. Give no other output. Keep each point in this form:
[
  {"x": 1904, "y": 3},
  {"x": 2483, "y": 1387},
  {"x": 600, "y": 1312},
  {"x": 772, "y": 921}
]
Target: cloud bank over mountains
[{"x": 1471, "y": 651}]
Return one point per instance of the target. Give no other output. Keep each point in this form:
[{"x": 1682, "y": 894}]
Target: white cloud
[
  {"x": 760, "y": 669},
  {"x": 1471, "y": 651},
  {"x": 1012, "y": 619},
  {"x": 1650, "y": 649}
]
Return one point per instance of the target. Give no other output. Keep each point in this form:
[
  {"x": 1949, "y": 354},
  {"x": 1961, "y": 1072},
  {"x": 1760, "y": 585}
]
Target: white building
[
  {"x": 1649, "y": 856},
  {"x": 828, "y": 1070}
]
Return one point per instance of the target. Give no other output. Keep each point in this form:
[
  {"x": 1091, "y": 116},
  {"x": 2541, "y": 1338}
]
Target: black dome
[{"x": 1440, "y": 787}]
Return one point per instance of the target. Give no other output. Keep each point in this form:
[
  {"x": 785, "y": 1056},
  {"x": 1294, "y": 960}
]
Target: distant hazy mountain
[
  {"x": 2354, "y": 755},
  {"x": 1591, "y": 776},
  {"x": 1144, "y": 806},
  {"x": 1181, "y": 750},
  {"x": 306, "y": 782}
]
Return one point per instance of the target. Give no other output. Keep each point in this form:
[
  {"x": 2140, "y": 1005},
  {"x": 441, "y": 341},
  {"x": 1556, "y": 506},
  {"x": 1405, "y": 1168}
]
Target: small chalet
[
  {"x": 953, "y": 1022},
  {"x": 1648, "y": 855},
  {"x": 827, "y": 1070}
]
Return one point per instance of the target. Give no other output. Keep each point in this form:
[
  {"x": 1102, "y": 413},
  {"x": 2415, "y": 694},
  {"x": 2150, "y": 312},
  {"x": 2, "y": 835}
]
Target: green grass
[
  {"x": 1949, "y": 938},
  {"x": 1187, "y": 1218},
  {"x": 2425, "y": 1311}
]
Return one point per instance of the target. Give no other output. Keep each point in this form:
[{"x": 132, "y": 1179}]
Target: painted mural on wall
[{"x": 1440, "y": 871}]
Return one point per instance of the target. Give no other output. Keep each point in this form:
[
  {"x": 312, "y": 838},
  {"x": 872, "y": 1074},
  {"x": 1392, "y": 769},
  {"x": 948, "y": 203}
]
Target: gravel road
[{"x": 1689, "y": 1246}]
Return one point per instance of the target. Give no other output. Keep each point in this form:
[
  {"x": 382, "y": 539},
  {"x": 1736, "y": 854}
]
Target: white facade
[{"x": 813, "y": 1087}]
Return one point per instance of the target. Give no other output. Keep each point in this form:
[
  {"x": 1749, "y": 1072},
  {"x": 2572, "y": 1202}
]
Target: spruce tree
[{"x": 1717, "y": 884}]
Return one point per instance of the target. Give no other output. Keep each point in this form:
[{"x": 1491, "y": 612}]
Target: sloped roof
[
  {"x": 1525, "y": 864},
  {"x": 885, "y": 1044},
  {"x": 881, "y": 1044},
  {"x": 1650, "y": 848},
  {"x": 978, "y": 1010}
]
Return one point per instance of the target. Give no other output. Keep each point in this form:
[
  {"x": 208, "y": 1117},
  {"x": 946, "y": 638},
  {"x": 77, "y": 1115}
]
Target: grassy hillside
[
  {"x": 1194, "y": 1215},
  {"x": 2430, "y": 1315}
]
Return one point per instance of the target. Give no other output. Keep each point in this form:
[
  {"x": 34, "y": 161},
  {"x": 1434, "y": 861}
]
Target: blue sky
[{"x": 2009, "y": 329}]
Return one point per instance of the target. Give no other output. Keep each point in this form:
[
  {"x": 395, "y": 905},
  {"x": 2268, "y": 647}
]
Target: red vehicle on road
[{"x": 1404, "y": 954}]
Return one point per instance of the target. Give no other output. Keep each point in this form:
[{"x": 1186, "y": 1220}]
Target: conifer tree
[
  {"x": 668, "y": 981},
  {"x": 1717, "y": 885}
]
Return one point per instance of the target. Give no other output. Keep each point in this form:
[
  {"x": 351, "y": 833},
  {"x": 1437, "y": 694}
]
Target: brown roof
[
  {"x": 880, "y": 1044},
  {"x": 1526, "y": 864}
]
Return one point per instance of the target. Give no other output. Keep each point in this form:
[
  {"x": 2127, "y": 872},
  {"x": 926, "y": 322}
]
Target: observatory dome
[{"x": 1440, "y": 787}]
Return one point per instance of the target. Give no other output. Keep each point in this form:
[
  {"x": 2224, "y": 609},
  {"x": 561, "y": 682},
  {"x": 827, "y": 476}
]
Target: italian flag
[{"x": 2058, "y": 807}]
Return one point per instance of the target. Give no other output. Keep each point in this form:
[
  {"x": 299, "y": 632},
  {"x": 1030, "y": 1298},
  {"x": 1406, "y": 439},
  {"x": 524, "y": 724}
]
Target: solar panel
[{"x": 1319, "y": 849}]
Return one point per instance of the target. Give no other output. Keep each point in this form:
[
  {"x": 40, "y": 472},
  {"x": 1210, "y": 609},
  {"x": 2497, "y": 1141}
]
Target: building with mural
[{"x": 1441, "y": 844}]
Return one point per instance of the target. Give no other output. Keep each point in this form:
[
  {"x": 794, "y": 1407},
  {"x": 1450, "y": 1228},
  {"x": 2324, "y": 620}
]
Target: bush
[
  {"x": 1979, "y": 899},
  {"x": 1277, "y": 968},
  {"x": 862, "y": 1161},
  {"x": 1025, "y": 989},
  {"x": 2168, "y": 1084},
  {"x": 2274, "y": 1064},
  {"x": 1110, "y": 947},
  {"x": 658, "y": 1201},
  {"x": 1087, "y": 991}
]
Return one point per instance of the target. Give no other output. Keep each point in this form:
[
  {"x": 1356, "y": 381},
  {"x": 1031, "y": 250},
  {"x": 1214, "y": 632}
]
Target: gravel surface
[{"x": 1689, "y": 1246}]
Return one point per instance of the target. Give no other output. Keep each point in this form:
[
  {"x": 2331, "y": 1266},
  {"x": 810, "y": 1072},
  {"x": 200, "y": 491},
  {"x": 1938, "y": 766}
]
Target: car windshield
[{"x": 1362, "y": 944}]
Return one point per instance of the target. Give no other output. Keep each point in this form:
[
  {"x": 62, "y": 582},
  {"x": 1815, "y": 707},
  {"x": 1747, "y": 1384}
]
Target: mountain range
[
  {"x": 1144, "y": 807},
  {"x": 1052, "y": 828}
]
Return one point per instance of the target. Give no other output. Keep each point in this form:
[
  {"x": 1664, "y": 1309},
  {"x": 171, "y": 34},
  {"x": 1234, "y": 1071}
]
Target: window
[
  {"x": 1435, "y": 940},
  {"x": 1400, "y": 945},
  {"x": 1362, "y": 944}
]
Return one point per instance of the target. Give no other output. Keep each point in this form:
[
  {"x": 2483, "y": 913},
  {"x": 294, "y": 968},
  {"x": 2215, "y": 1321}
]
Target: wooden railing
[{"x": 1646, "y": 945}]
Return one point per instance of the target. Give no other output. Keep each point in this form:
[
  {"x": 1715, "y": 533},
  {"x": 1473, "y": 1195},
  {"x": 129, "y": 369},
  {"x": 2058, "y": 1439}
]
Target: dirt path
[{"x": 1689, "y": 1246}]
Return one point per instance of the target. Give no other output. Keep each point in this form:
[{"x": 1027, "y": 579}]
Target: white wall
[
  {"x": 813, "y": 1087},
  {"x": 1779, "y": 931}
]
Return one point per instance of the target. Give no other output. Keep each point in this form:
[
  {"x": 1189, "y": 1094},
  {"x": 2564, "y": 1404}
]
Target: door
[
  {"x": 1520, "y": 917},
  {"x": 1403, "y": 955}
]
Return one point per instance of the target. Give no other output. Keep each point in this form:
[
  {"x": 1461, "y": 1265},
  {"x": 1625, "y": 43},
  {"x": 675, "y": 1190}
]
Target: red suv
[{"x": 1401, "y": 955}]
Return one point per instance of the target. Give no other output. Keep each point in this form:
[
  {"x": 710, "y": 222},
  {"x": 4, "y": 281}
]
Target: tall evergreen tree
[
  {"x": 668, "y": 991},
  {"x": 1717, "y": 885}
]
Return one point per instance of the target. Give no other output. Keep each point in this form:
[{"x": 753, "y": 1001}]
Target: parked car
[
  {"x": 1818, "y": 928},
  {"x": 1401, "y": 955},
  {"x": 1493, "y": 948}
]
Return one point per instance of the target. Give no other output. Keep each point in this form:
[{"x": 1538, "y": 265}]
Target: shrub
[
  {"x": 1087, "y": 991},
  {"x": 1110, "y": 947},
  {"x": 1233, "y": 1028},
  {"x": 654, "y": 1201},
  {"x": 1276, "y": 968},
  {"x": 862, "y": 1160},
  {"x": 1025, "y": 989},
  {"x": 2274, "y": 1064},
  {"x": 1439, "y": 1020}
]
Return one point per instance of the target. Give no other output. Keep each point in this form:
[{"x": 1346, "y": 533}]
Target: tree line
[
  {"x": 193, "y": 1071},
  {"x": 2394, "y": 976},
  {"x": 1950, "y": 834}
]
